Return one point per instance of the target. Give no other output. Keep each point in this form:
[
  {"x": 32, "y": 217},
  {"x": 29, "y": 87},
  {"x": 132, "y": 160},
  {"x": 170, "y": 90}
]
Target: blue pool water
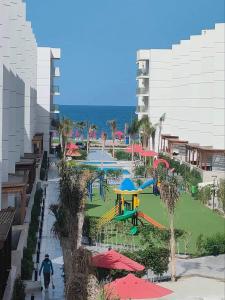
[{"x": 98, "y": 162}]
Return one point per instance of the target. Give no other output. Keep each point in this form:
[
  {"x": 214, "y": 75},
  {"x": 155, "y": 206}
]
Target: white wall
[{"x": 187, "y": 83}]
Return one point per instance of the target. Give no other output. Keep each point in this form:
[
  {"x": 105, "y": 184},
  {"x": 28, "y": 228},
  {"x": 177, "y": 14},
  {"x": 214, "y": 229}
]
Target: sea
[{"x": 99, "y": 115}]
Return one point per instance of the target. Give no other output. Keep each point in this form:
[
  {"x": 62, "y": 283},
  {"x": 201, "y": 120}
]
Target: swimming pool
[
  {"x": 124, "y": 171},
  {"x": 98, "y": 162}
]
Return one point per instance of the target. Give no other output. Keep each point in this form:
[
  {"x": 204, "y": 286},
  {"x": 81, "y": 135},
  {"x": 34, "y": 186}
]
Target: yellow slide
[{"x": 108, "y": 216}]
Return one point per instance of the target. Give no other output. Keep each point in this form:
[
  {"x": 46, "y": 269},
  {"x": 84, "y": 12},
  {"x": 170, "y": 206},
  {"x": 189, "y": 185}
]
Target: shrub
[
  {"x": 213, "y": 245},
  {"x": 42, "y": 174},
  {"x": 27, "y": 264},
  {"x": 139, "y": 171},
  {"x": 19, "y": 290},
  {"x": 122, "y": 155},
  {"x": 204, "y": 194}
]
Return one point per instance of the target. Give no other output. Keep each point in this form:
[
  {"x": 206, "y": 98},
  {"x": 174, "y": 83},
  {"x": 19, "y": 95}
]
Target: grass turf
[{"x": 190, "y": 215}]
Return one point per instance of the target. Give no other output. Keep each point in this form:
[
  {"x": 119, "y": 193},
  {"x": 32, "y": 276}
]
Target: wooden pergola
[
  {"x": 24, "y": 165},
  {"x": 172, "y": 142},
  {"x": 17, "y": 184},
  {"x": 37, "y": 143},
  {"x": 201, "y": 155},
  {"x": 6, "y": 221},
  {"x": 164, "y": 138}
]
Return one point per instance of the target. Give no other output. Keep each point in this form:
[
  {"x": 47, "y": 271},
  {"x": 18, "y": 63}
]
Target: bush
[
  {"x": 42, "y": 174},
  {"x": 139, "y": 171},
  {"x": 213, "y": 245},
  {"x": 90, "y": 227},
  {"x": 122, "y": 155},
  {"x": 44, "y": 166},
  {"x": 27, "y": 265},
  {"x": 19, "y": 290}
]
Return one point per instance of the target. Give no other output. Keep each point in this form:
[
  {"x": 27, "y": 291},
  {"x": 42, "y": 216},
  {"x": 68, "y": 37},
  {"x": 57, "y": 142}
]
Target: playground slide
[
  {"x": 150, "y": 220},
  {"x": 127, "y": 214},
  {"x": 147, "y": 183}
]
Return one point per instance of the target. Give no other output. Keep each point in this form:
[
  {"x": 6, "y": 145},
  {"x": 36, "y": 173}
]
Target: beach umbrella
[
  {"x": 132, "y": 287},
  {"x": 114, "y": 260},
  {"x": 71, "y": 146},
  {"x": 119, "y": 134},
  {"x": 148, "y": 153},
  {"x": 136, "y": 148}
]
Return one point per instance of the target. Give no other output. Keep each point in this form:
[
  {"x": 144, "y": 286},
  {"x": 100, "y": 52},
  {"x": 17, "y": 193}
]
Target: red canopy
[
  {"x": 136, "y": 148},
  {"x": 114, "y": 260},
  {"x": 71, "y": 146},
  {"x": 119, "y": 134},
  {"x": 73, "y": 153},
  {"x": 148, "y": 153},
  {"x": 132, "y": 287}
]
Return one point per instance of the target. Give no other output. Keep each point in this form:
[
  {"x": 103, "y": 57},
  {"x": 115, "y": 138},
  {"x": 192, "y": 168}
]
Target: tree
[
  {"x": 65, "y": 128},
  {"x": 221, "y": 193},
  {"x": 112, "y": 124},
  {"x": 81, "y": 125},
  {"x": 161, "y": 120},
  {"x": 104, "y": 138},
  {"x": 145, "y": 131},
  {"x": 170, "y": 195},
  {"x": 153, "y": 133},
  {"x": 132, "y": 131}
]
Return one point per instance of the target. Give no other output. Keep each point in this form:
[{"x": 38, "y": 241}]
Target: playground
[{"x": 190, "y": 215}]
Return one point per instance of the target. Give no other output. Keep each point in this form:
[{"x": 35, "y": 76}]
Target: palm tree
[
  {"x": 153, "y": 133},
  {"x": 170, "y": 195},
  {"x": 81, "y": 125},
  {"x": 132, "y": 131},
  {"x": 65, "y": 128},
  {"x": 145, "y": 131},
  {"x": 112, "y": 124},
  {"x": 161, "y": 120},
  {"x": 104, "y": 137}
]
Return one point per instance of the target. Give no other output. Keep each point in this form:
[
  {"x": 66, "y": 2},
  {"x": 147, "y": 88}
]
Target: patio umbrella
[
  {"x": 132, "y": 287},
  {"x": 75, "y": 153},
  {"x": 148, "y": 153},
  {"x": 119, "y": 134},
  {"x": 71, "y": 146},
  {"x": 114, "y": 260},
  {"x": 136, "y": 148}
]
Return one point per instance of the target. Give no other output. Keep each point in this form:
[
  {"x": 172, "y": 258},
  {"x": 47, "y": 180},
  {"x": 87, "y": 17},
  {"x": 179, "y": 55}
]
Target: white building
[
  {"x": 22, "y": 114},
  {"x": 46, "y": 89},
  {"x": 187, "y": 82}
]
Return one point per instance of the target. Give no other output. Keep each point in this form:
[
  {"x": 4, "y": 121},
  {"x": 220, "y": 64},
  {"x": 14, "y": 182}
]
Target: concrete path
[
  {"x": 50, "y": 244},
  {"x": 98, "y": 155}
]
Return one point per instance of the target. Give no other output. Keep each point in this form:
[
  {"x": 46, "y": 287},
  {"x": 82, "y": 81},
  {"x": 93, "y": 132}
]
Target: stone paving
[{"x": 50, "y": 244}]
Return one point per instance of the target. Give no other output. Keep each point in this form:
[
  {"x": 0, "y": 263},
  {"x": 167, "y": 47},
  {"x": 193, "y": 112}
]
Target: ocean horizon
[{"x": 99, "y": 115}]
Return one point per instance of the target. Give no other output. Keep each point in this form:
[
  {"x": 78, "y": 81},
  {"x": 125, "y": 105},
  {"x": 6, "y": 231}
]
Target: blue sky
[{"x": 99, "y": 40}]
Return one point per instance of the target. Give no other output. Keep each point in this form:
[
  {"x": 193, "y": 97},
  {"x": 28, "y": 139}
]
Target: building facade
[{"x": 187, "y": 82}]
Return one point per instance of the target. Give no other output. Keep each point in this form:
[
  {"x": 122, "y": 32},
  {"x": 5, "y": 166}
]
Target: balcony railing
[
  {"x": 56, "y": 71},
  {"x": 142, "y": 109},
  {"x": 142, "y": 72},
  {"x": 55, "y": 90},
  {"x": 54, "y": 109},
  {"x": 142, "y": 91}
]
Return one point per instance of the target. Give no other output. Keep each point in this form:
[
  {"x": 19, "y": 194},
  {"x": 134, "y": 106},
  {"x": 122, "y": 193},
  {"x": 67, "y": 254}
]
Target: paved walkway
[
  {"x": 99, "y": 155},
  {"x": 50, "y": 244}
]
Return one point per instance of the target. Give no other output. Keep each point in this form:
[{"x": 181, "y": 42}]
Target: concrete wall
[
  {"x": 45, "y": 94},
  {"x": 187, "y": 83}
]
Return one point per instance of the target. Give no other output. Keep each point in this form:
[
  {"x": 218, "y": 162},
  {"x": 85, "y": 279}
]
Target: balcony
[
  {"x": 55, "y": 109},
  {"x": 55, "y": 90},
  {"x": 142, "y": 72},
  {"x": 56, "y": 53},
  {"x": 142, "y": 91},
  {"x": 56, "y": 72},
  {"x": 142, "y": 110}
]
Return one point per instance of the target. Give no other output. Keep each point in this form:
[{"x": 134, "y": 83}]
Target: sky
[{"x": 99, "y": 40}]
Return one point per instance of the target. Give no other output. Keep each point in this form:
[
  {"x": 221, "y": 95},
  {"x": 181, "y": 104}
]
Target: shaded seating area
[
  {"x": 6, "y": 221},
  {"x": 27, "y": 165},
  {"x": 16, "y": 188},
  {"x": 37, "y": 143},
  {"x": 205, "y": 158},
  {"x": 164, "y": 141}
]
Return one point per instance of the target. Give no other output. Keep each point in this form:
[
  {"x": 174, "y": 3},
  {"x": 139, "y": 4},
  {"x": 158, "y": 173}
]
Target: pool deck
[{"x": 99, "y": 155}]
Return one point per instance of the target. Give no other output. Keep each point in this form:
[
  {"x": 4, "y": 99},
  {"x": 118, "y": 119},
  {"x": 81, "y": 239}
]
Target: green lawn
[{"x": 190, "y": 215}]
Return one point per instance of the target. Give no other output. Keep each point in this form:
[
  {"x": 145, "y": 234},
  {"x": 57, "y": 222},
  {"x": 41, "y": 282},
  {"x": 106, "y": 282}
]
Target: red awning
[
  {"x": 132, "y": 287},
  {"x": 148, "y": 153},
  {"x": 114, "y": 260}
]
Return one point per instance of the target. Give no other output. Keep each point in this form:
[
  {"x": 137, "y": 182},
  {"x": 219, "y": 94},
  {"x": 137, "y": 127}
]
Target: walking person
[{"x": 47, "y": 270}]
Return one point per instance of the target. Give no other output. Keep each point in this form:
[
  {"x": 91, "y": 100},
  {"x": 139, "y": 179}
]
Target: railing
[
  {"x": 55, "y": 90},
  {"x": 55, "y": 109},
  {"x": 142, "y": 91},
  {"x": 142, "y": 72}
]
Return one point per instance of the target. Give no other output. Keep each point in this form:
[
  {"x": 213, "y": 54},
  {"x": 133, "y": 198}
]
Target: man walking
[{"x": 47, "y": 270}]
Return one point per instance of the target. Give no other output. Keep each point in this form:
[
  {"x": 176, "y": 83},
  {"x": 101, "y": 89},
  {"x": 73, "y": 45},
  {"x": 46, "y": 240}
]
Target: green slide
[
  {"x": 127, "y": 214},
  {"x": 133, "y": 230}
]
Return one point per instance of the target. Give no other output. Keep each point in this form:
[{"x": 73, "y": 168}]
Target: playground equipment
[
  {"x": 128, "y": 209},
  {"x": 101, "y": 180}
]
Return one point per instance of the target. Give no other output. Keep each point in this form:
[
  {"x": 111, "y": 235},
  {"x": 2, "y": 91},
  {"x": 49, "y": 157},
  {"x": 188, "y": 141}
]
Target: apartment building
[
  {"x": 187, "y": 82},
  {"x": 47, "y": 72}
]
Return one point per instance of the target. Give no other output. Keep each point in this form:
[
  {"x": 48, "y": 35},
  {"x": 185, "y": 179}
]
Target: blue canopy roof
[{"x": 127, "y": 185}]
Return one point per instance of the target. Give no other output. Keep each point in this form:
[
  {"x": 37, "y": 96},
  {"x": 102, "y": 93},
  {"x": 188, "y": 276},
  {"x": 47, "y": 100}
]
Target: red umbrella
[
  {"x": 114, "y": 260},
  {"x": 71, "y": 146},
  {"x": 148, "y": 153},
  {"x": 119, "y": 134},
  {"x": 136, "y": 148},
  {"x": 132, "y": 287}
]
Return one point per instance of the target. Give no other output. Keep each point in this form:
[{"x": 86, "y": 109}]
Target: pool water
[
  {"x": 98, "y": 162},
  {"x": 124, "y": 172}
]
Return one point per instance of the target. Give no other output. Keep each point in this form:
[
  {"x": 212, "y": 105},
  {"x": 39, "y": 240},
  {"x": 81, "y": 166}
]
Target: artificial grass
[{"x": 190, "y": 215}]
